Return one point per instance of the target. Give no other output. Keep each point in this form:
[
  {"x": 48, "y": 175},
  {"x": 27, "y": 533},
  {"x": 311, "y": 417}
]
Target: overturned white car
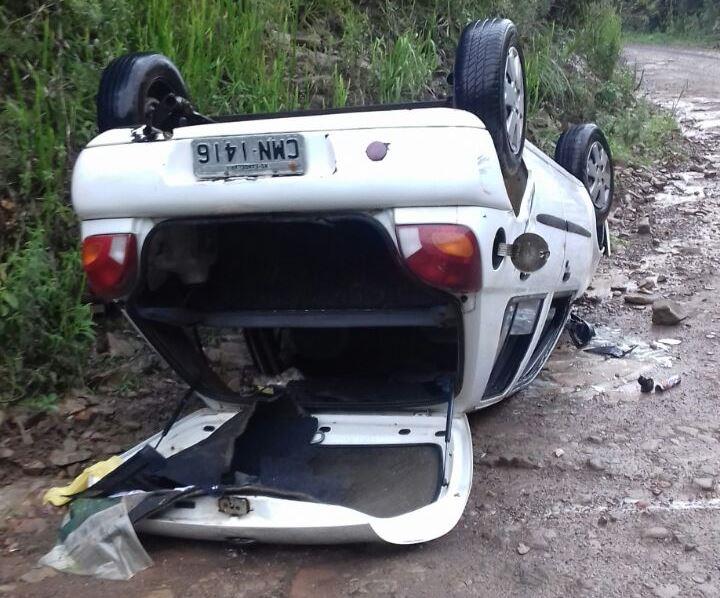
[{"x": 412, "y": 263}]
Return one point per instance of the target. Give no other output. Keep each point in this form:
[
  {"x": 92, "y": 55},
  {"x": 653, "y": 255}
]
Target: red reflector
[
  {"x": 443, "y": 255},
  {"x": 110, "y": 262}
]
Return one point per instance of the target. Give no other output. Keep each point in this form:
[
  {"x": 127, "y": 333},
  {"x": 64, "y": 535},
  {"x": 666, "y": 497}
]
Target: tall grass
[
  {"x": 42, "y": 316},
  {"x": 403, "y": 67},
  {"x": 600, "y": 40},
  {"x": 546, "y": 79}
]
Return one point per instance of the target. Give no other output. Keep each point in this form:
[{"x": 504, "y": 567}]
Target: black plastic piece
[
  {"x": 579, "y": 330},
  {"x": 562, "y": 224},
  {"x": 646, "y": 384}
]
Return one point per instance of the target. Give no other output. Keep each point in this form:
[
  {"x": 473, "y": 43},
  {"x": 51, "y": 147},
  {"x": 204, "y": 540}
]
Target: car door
[{"x": 547, "y": 218}]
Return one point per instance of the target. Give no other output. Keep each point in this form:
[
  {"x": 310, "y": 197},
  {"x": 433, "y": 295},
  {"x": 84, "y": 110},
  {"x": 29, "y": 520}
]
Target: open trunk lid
[{"x": 361, "y": 477}]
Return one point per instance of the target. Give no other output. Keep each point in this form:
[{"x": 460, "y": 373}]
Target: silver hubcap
[
  {"x": 514, "y": 99},
  {"x": 598, "y": 176}
]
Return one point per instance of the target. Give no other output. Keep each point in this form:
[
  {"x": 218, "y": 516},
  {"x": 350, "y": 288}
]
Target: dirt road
[{"x": 629, "y": 505}]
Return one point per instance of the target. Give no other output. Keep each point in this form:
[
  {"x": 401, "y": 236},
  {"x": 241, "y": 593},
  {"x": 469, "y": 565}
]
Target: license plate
[{"x": 248, "y": 155}]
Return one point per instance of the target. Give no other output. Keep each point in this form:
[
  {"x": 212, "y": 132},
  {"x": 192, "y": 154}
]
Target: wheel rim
[
  {"x": 514, "y": 100},
  {"x": 598, "y": 176}
]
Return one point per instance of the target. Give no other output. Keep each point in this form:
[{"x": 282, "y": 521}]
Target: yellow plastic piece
[{"x": 62, "y": 495}]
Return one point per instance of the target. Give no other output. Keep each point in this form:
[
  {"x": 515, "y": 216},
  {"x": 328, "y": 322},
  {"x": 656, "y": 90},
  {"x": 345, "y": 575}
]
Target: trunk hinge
[
  {"x": 175, "y": 415},
  {"x": 448, "y": 430},
  {"x": 163, "y": 116}
]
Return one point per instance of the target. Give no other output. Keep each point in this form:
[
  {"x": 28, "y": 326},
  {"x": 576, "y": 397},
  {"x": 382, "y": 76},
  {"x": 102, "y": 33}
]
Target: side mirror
[{"x": 528, "y": 253}]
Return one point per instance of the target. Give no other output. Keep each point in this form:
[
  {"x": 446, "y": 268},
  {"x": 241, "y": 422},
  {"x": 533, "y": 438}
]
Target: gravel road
[{"x": 629, "y": 505}]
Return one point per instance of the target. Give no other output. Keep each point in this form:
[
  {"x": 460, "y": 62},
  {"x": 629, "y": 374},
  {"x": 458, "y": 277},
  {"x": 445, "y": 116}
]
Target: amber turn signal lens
[{"x": 455, "y": 243}]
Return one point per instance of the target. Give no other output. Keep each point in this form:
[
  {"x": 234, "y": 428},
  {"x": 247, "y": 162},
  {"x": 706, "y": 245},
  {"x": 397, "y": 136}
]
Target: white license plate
[{"x": 248, "y": 155}]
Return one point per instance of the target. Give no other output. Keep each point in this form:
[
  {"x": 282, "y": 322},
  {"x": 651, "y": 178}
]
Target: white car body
[{"x": 441, "y": 168}]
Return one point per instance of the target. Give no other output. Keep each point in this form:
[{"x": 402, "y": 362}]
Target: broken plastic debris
[
  {"x": 611, "y": 350},
  {"x": 667, "y": 383},
  {"x": 579, "y": 330},
  {"x": 59, "y": 496},
  {"x": 646, "y": 384},
  {"x": 262, "y": 381}
]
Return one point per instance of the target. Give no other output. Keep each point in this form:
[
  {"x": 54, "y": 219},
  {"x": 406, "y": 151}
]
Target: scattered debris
[
  {"x": 639, "y": 299},
  {"x": 650, "y": 282},
  {"x": 523, "y": 548},
  {"x": 670, "y": 341},
  {"x": 596, "y": 464},
  {"x": 667, "y": 313},
  {"x": 611, "y": 350},
  {"x": 643, "y": 226},
  {"x": 646, "y": 384},
  {"x": 559, "y": 452},
  {"x": 656, "y": 532},
  {"x": 667, "y": 383},
  {"x": 706, "y": 484},
  {"x": 580, "y": 331}
]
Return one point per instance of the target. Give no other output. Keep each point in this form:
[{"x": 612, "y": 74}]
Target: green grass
[
  {"x": 246, "y": 56},
  {"x": 403, "y": 67},
  {"x": 44, "y": 326}
]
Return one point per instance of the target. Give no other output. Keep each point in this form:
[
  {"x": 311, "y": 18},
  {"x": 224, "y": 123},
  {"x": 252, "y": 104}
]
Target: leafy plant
[{"x": 45, "y": 328}]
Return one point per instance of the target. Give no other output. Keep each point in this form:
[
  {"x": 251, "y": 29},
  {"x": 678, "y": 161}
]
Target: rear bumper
[{"x": 430, "y": 165}]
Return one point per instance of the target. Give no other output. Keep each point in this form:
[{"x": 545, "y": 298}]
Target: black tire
[
  {"x": 479, "y": 80},
  {"x": 573, "y": 153},
  {"x": 130, "y": 84}
]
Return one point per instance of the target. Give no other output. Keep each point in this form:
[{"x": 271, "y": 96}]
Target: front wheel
[{"x": 584, "y": 152}]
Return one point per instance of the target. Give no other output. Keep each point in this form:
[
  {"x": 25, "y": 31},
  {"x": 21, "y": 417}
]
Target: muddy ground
[{"x": 612, "y": 492}]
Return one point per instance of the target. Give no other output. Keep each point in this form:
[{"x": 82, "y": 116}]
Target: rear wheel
[
  {"x": 489, "y": 81},
  {"x": 133, "y": 85},
  {"x": 584, "y": 152}
]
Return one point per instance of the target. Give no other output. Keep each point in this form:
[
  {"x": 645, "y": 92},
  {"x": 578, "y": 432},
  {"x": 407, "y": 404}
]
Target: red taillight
[
  {"x": 110, "y": 262},
  {"x": 443, "y": 255}
]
